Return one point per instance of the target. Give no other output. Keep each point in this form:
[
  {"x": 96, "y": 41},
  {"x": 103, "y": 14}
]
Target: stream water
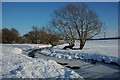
[{"x": 86, "y": 69}]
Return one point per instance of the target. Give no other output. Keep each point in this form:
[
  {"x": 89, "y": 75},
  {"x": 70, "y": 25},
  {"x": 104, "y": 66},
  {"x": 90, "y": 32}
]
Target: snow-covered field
[
  {"x": 17, "y": 65},
  {"x": 105, "y": 47},
  {"x": 100, "y": 50}
]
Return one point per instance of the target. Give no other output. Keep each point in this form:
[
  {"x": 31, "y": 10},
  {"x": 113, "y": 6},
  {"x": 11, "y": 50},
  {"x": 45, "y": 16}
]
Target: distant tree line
[{"x": 35, "y": 36}]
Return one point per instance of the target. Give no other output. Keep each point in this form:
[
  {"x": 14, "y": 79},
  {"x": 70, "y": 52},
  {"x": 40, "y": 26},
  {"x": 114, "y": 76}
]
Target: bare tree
[
  {"x": 76, "y": 22},
  {"x": 51, "y": 37},
  {"x": 41, "y": 35},
  {"x": 33, "y": 35},
  {"x": 10, "y": 36},
  {"x": 15, "y": 35}
]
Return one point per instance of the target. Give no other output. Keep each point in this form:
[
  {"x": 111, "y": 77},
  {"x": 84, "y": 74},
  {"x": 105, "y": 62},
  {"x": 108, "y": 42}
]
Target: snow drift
[
  {"x": 17, "y": 65},
  {"x": 106, "y": 51}
]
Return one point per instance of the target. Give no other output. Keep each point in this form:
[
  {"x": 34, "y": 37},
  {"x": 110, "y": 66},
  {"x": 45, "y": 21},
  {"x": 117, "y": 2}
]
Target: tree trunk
[
  {"x": 70, "y": 47},
  {"x": 82, "y": 44}
]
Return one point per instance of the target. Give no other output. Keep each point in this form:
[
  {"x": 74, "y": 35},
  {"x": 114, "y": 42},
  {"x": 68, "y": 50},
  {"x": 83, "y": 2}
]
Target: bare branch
[{"x": 77, "y": 20}]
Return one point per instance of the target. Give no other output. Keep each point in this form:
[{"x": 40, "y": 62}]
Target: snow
[
  {"x": 17, "y": 65},
  {"x": 97, "y": 50},
  {"x": 28, "y": 46},
  {"x": 105, "y": 47}
]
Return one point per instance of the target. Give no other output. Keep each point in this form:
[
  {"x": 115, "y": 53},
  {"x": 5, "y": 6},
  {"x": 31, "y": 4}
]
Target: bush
[{"x": 10, "y": 36}]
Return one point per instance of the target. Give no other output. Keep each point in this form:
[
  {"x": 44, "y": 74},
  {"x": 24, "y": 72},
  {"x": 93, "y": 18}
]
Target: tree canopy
[{"x": 76, "y": 22}]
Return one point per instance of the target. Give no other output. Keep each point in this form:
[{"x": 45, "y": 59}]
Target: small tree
[
  {"x": 41, "y": 35},
  {"x": 15, "y": 35},
  {"x": 51, "y": 37},
  {"x": 34, "y": 35},
  {"x": 76, "y": 21},
  {"x": 23, "y": 39},
  {"x": 10, "y": 36}
]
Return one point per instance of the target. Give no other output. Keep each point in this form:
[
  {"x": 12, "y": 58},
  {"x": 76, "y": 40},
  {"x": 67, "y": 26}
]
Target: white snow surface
[
  {"x": 105, "y": 47},
  {"x": 97, "y": 50},
  {"x": 17, "y": 65}
]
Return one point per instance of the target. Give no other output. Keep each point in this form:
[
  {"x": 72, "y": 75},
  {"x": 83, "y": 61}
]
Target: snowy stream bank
[
  {"x": 76, "y": 54},
  {"x": 15, "y": 62},
  {"x": 17, "y": 65},
  {"x": 85, "y": 69}
]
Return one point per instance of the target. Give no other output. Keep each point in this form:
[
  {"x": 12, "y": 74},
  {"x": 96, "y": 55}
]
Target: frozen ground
[
  {"x": 88, "y": 70},
  {"x": 93, "y": 50},
  {"x": 105, "y": 47},
  {"x": 17, "y": 65},
  {"x": 97, "y": 50},
  {"x": 100, "y": 50}
]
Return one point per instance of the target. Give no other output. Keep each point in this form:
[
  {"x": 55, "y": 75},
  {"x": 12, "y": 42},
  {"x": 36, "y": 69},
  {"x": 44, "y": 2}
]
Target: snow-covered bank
[
  {"x": 106, "y": 51},
  {"x": 17, "y": 65},
  {"x": 105, "y": 47},
  {"x": 25, "y": 47},
  {"x": 86, "y": 69}
]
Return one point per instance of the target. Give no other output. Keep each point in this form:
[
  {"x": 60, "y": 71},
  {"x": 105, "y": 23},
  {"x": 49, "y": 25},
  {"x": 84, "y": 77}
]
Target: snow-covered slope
[
  {"x": 104, "y": 47},
  {"x": 17, "y": 65},
  {"x": 105, "y": 50}
]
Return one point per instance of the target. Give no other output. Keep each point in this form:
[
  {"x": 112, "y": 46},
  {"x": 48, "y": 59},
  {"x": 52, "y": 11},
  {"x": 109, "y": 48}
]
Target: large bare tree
[{"x": 76, "y": 22}]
